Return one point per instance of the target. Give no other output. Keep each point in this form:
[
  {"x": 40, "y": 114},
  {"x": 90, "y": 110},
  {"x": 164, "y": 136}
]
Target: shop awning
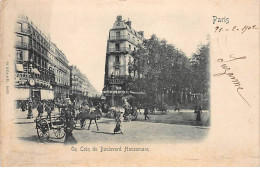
[
  {"x": 19, "y": 67},
  {"x": 47, "y": 94},
  {"x": 139, "y": 95},
  {"x": 22, "y": 94},
  {"x": 34, "y": 70}
]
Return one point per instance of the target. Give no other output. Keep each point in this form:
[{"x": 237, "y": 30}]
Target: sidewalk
[
  {"x": 184, "y": 117},
  {"x": 21, "y": 117}
]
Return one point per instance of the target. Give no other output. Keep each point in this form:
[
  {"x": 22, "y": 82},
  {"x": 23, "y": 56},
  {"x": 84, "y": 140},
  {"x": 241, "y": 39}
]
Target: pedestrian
[
  {"x": 69, "y": 138},
  {"x": 30, "y": 108},
  {"x": 40, "y": 109},
  {"x": 198, "y": 110},
  {"x": 48, "y": 109},
  {"x": 119, "y": 122},
  {"x": 177, "y": 107},
  {"x": 23, "y": 106},
  {"x": 146, "y": 113}
]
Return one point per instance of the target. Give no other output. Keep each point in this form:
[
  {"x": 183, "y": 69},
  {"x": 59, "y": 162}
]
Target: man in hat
[{"x": 40, "y": 109}]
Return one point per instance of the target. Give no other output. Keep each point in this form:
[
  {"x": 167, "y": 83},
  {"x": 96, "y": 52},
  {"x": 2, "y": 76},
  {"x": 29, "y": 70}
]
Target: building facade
[
  {"x": 80, "y": 85},
  {"x": 122, "y": 40},
  {"x": 42, "y": 70},
  {"x": 33, "y": 75},
  {"x": 61, "y": 68}
]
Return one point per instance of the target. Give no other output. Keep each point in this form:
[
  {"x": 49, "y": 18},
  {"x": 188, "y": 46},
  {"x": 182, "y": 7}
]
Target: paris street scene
[{"x": 150, "y": 89}]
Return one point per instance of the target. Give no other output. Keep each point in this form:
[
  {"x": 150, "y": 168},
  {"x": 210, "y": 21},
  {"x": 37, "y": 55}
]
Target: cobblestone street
[{"x": 157, "y": 129}]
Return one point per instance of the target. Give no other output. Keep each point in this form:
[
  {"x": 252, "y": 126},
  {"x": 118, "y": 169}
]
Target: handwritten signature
[{"x": 226, "y": 72}]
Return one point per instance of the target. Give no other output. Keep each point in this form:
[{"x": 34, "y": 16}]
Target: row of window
[
  {"x": 118, "y": 36},
  {"x": 117, "y": 45},
  {"x": 33, "y": 32}
]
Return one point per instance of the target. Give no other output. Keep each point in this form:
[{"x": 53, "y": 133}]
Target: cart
[{"x": 44, "y": 126}]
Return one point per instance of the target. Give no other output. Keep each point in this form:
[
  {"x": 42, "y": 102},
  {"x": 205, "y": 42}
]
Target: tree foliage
[{"x": 160, "y": 67}]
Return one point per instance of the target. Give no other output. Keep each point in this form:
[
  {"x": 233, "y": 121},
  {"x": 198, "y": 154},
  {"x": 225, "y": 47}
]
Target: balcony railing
[
  {"x": 22, "y": 30},
  {"x": 124, "y": 37},
  {"x": 22, "y": 44},
  {"x": 22, "y": 75},
  {"x": 121, "y": 49},
  {"x": 116, "y": 64},
  {"x": 116, "y": 81}
]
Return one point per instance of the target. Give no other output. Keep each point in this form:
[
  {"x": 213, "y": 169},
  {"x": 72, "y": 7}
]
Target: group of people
[{"x": 45, "y": 106}]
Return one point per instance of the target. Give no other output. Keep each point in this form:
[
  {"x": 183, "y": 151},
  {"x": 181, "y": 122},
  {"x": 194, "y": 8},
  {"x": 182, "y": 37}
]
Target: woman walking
[{"x": 119, "y": 122}]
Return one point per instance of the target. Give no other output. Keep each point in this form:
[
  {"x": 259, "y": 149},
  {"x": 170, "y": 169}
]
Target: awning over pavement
[
  {"x": 19, "y": 67},
  {"x": 34, "y": 70},
  {"x": 22, "y": 94},
  {"x": 47, "y": 94}
]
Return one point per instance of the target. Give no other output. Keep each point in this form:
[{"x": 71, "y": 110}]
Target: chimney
[
  {"x": 119, "y": 18},
  {"x": 141, "y": 33},
  {"x": 129, "y": 23}
]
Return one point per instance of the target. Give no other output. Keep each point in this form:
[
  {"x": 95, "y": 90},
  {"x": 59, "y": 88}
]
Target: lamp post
[
  {"x": 112, "y": 88},
  {"x": 31, "y": 84}
]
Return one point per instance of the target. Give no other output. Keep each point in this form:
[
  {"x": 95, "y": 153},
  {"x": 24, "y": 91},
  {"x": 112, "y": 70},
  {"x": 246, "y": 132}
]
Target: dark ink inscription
[
  {"x": 226, "y": 71},
  {"x": 236, "y": 29}
]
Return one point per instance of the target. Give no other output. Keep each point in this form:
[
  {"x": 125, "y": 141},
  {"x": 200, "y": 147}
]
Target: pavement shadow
[
  {"x": 35, "y": 139},
  {"x": 107, "y": 133}
]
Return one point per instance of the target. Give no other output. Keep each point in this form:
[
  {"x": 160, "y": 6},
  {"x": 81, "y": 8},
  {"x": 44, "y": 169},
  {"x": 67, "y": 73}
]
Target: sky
[{"x": 80, "y": 28}]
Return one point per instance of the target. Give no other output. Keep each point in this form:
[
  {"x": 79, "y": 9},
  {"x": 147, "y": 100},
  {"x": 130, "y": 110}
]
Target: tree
[
  {"x": 200, "y": 69},
  {"x": 164, "y": 68}
]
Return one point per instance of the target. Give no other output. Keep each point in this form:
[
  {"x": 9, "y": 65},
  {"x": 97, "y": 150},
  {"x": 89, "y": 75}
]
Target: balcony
[
  {"x": 118, "y": 50},
  {"x": 116, "y": 81},
  {"x": 123, "y": 38},
  {"x": 22, "y": 30},
  {"x": 21, "y": 44},
  {"x": 117, "y": 64},
  {"x": 23, "y": 75}
]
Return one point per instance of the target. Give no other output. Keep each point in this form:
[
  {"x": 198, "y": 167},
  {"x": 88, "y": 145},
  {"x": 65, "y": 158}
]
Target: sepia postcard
[{"x": 120, "y": 83}]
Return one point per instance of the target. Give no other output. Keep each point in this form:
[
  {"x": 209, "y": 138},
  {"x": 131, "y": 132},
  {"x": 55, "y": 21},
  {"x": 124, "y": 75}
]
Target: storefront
[{"x": 114, "y": 97}]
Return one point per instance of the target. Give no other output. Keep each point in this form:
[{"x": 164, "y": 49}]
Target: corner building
[
  {"x": 122, "y": 40},
  {"x": 42, "y": 71}
]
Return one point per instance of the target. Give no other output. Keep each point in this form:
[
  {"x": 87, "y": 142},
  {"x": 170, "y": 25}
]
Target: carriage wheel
[
  {"x": 59, "y": 133},
  {"x": 43, "y": 130}
]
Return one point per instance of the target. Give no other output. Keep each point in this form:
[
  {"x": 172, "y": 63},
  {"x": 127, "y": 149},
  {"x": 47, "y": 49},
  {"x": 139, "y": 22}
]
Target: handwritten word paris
[{"x": 226, "y": 72}]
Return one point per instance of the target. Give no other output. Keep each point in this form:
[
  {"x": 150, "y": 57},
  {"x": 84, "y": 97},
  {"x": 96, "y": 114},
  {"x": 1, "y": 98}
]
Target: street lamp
[{"x": 31, "y": 84}]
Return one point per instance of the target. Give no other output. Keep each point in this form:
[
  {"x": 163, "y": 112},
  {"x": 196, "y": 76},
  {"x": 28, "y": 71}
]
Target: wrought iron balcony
[
  {"x": 22, "y": 30},
  {"x": 21, "y": 44},
  {"x": 116, "y": 64},
  {"x": 123, "y": 38},
  {"x": 121, "y": 49},
  {"x": 22, "y": 75},
  {"x": 116, "y": 81}
]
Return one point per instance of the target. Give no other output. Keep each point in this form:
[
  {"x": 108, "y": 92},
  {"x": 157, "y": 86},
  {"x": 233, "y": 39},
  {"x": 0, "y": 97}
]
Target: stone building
[
  {"x": 42, "y": 70},
  {"x": 61, "y": 68},
  {"x": 122, "y": 40},
  {"x": 80, "y": 85},
  {"x": 33, "y": 74}
]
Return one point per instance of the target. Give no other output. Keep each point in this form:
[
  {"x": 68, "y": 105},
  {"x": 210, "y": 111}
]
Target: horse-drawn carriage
[
  {"x": 44, "y": 127},
  {"x": 129, "y": 114}
]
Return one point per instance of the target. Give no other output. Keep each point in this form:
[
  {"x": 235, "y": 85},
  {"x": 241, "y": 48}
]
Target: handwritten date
[{"x": 235, "y": 29}]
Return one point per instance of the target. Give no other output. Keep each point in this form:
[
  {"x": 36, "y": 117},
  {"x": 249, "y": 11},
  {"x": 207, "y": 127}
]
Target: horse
[{"x": 91, "y": 114}]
